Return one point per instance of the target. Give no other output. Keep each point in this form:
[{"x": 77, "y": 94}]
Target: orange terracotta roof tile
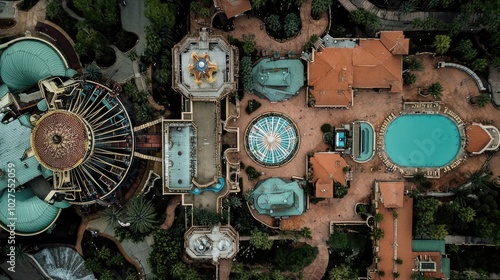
[
  {"x": 392, "y": 194},
  {"x": 233, "y": 8},
  {"x": 404, "y": 240},
  {"x": 327, "y": 169},
  {"x": 434, "y": 256},
  {"x": 477, "y": 137},
  {"x": 395, "y": 42},
  {"x": 374, "y": 63}
]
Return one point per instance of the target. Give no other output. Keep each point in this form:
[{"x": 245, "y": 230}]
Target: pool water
[{"x": 422, "y": 140}]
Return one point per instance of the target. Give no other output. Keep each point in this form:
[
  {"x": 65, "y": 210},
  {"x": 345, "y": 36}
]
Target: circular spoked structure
[
  {"x": 272, "y": 139},
  {"x": 61, "y": 140}
]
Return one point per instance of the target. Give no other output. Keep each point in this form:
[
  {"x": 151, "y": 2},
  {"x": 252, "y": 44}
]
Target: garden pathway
[
  {"x": 373, "y": 107},
  {"x": 250, "y": 25},
  {"x": 139, "y": 252},
  {"x": 393, "y": 19},
  {"x": 26, "y": 20}
]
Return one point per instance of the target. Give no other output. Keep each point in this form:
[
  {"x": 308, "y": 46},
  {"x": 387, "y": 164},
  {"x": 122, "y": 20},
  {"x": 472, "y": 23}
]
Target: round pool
[
  {"x": 272, "y": 139},
  {"x": 422, "y": 140}
]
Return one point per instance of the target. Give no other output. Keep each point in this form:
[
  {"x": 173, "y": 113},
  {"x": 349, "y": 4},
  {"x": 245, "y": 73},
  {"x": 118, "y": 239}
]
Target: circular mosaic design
[
  {"x": 60, "y": 140},
  {"x": 272, "y": 139}
]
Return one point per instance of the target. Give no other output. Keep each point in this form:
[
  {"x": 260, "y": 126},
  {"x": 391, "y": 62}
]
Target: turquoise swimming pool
[{"x": 422, "y": 140}]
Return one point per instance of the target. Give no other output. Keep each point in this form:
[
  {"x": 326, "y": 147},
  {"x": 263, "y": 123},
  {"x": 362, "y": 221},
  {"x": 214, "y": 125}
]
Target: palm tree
[
  {"x": 442, "y": 43},
  {"x": 377, "y": 233},
  {"x": 482, "y": 100},
  {"x": 306, "y": 232},
  {"x": 435, "y": 90},
  {"x": 407, "y": 7},
  {"x": 113, "y": 215},
  {"x": 144, "y": 112},
  {"x": 413, "y": 64},
  {"x": 141, "y": 215},
  {"x": 477, "y": 179},
  {"x": 92, "y": 72}
]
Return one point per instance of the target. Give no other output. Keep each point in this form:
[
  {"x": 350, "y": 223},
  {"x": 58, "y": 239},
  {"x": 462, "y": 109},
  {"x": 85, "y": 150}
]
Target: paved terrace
[
  {"x": 250, "y": 25},
  {"x": 373, "y": 107}
]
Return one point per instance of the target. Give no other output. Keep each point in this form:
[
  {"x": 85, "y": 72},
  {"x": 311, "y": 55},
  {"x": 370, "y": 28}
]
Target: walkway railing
[{"x": 466, "y": 70}]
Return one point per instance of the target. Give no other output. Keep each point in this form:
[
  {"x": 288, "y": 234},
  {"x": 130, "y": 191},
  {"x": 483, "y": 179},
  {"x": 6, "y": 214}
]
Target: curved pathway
[
  {"x": 393, "y": 19},
  {"x": 170, "y": 212},
  {"x": 252, "y": 25}
]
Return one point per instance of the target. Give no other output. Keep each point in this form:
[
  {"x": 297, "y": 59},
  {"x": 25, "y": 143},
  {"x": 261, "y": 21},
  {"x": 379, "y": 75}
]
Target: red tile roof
[
  {"x": 327, "y": 169},
  {"x": 477, "y": 137},
  {"x": 392, "y": 194},
  {"x": 233, "y": 8},
  {"x": 374, "y": 63}
]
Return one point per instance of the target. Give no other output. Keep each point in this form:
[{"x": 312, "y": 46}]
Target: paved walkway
[
  {"x": 393, "y": 19},
  {"x": 252, "y": 25},
  {"x": 373, "y": 107},
  {"x": 26, "y": 20},
  {"x": 467, "y": 240},
  {"x": 139, "y": 252}
]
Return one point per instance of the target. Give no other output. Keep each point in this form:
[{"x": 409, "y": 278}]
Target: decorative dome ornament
[
  {"x": 60, "y": 140},
  {"x": 202, "y": 67}
]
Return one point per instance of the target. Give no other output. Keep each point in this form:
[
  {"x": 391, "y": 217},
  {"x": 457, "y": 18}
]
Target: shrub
[
  {"x": 395, "y": 274},
  {"x": 292, "y": 25},
  {"x": 409, "y": 78},
  {"x": 252, "y": 173},
  {"x": 273, "y": 23},
  {"x": 399, "y": 261},
  {"x": 253, "y": 105},
  {"x": 381, "y": 273},
  {"x": 326, "y": 127},
  {"x": 246, "y": 72},
  {"x": 295, "y": 259},
  {"x": 340, "y": 190}
]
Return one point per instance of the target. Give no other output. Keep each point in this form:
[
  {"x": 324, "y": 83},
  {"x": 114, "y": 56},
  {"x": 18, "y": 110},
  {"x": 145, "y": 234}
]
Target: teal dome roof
[
  {"x": 26, "y": 62},
  {"x": 33, "y": 214}
]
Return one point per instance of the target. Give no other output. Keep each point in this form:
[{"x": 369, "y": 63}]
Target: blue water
[
  {"x": 422, "y": 140},
  {"x": 366, "y": 142}
]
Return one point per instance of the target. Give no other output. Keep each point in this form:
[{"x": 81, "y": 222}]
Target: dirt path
[{"x": 170, "y": 212}]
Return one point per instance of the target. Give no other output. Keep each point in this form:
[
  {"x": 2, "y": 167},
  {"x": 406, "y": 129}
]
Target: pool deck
[{"x": 373, "y": 107}]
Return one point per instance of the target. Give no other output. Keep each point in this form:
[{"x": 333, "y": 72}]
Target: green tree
[
  {"x": 409, "y": 78},
  {"x": 466, "y": 214},
  {"x": 140, "y": 213},
  {"x": 54, "y": 10},
  {"x": 466, "y": 50},
  {"x": 107, "y": 275},
  {"x": 205, "y": 12},
  {"x": 257, "y": 4},
  {"x": 246, "y": 72},
  {"x": 478, "y": 180},
  {"x": 203, "y": 217},
  {"x": 338, "y": 241},
  {"x": 340, "y": 190},
  {"x": 438, "y": 232},
  {"x": 395, "y": 274},
  {"x": 435, "y": 90},
  {"x": 442, "y": 43},
  {"x": 248, "y": 43},
  {"x": 482, "y": 100},
  {"x": 479, "y": 65},
  {"x": 292, "y": 25},
  {"x": 113, "y": 215},
  {"x": 165, "y": 251},
  {"x": 378, "y": 218},
  {"x": 377, "y": 233},
  {"x": 366, "y": 18},
  {"x": 99, "y": 13},
  {"x": 273, "y": 23},
  {"x": 407, "y": 6},
  {"x": 260, "y": 240},
  {"x": 399, "y": 261},
  {"x": 92, "y": 72},
  {"x": 144, "y": 112},
  {"x": 296, "y": 258},
  {"x": 413, "y": 64},
  {"x": 320, "y": 6},
  {"x": 306, "y": 233},
  {"x": 183, "y": 272},
  {"x": 342, "y": 272}
]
